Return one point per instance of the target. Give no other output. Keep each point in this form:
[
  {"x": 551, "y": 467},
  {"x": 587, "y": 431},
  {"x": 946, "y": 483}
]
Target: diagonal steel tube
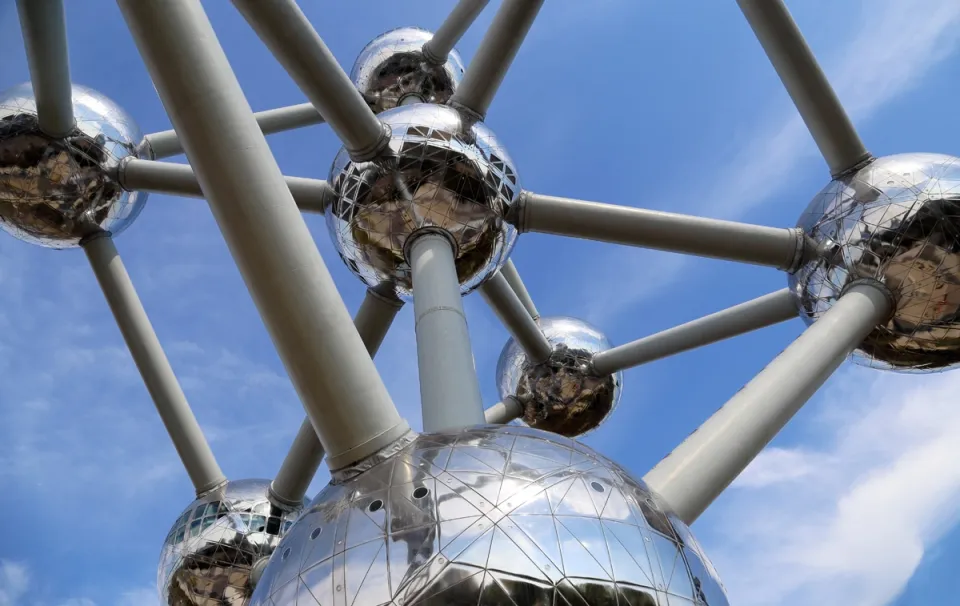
[
  {"x": 503, "y": 412},
  {"x": 755, "y": 314},
  {"x": 283, "y": 27},
  {"x": 328, "y": 364},
  {"x": 498, "y": 294},
  {"x": 806, "y": 83},
  {"x": 497, "y": 51},
  {"x": 45, "y": 39},
  {"x": 509, "y": 271},
  {"x": 710, "y": 459},
  {"x": 452, "y": 29},
  {"x": 166, "y": 143},
  {"x": 151, "y": 361}
]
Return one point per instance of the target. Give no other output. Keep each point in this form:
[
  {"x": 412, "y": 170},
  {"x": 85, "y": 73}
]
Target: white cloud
[
  {"x": 17, "y": 588},
  {"x": 14, "y": 580}
]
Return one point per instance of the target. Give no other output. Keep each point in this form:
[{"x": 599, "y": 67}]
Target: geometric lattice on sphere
[
  {"x": 489, "y": 515},
  {"x": 896, "y": 220},
  {"x": 55, "y": 191},
  {"x": 391, "y": 71},
  {"x": 209, "y": 552},
  {"x": 442, "y": 170},
  {"x": 561, "y": 395}
]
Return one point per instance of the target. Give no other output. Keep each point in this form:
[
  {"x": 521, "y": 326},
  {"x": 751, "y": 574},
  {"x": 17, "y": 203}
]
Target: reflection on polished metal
[
  {"x": 392, "y": 71},
  {"x": 562, "y": 395},
  {"x": 491, "y": 515},
  {"x": 896, "y": 220},
  {"x": 53, "y": 192},
  {"x": 440, "y": 170},
  {"x": 209, "y": 553}
]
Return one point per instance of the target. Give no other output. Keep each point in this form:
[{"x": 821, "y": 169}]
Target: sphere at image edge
[
  {"x": 489, "y": 515},
  {"x": 212, "y": 547},
  {"x": 896, "y": 220},
  {"x": 560, "y": 395},
  {"x": 442, "y": 170},
  {"x": 392, "y": 71},
  {"x": 53, "y": 192}
]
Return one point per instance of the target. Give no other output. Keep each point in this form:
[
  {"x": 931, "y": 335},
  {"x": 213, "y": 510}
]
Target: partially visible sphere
[
  {"x": 896, "y": 220},
  {"x": 490, "y": 515},
  {"x": 391, "y": 71},
  {"x": 561, "y": 395},
  {"x": 208, "y": 556},
  {"x": 441, "y": 170},
  {"x": 53, "y": 192}
]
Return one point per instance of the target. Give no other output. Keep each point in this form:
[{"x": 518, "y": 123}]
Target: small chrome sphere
[
  {"x": 391, "y": 71},
  {"x": 213, "y": 547},
  {"x": 896, "y": 220},
  {"x": 561, "y": 395},
  {"x": 53, "y": 192},
  {"x": 440, "y": 170},
  {"x": 490, "y": 515}
]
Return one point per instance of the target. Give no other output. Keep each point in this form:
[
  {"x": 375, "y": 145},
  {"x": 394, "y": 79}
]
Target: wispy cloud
[
  {"x": 18, "y": 587},
  {"x": 14, "y": 580}
]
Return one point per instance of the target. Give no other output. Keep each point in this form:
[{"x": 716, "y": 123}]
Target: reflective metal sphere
[
  {"x": 441, "y": 170},
  {"x": 560, "y": 395},
  {"x": 491, "y": 515},
  {"x": 391, "y": 71},
  {"x": 55, "y": 191},
  {"x": 896, "y": 220},
  {"x": 208, "y": 555}
]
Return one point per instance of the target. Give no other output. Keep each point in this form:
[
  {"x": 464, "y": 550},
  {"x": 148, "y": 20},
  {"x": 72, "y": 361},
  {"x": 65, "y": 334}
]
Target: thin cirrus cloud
[{"x": 18, "y": 588}]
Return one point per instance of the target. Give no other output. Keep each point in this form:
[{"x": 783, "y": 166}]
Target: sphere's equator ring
[
  {"x": 504, "y": 301},
  {"x": 806, "y": 84},
  {"x": 710, "y": 459},
  {"x": 166, "y": 143},
  {"x": 782, "y": 248},
  {"x": 45, "y": 41},
  {"x": 509, "y": 271},
  {"x": 152, "y": 362},
  {"x": 285, "y": 30},
  {"x": 275, "y": 253},
  {"x": 767, "y": 310},
  {"x": 311, "y": 195},
  {"x": 452, "y": 29},
  {"x": 497, "y": 50}
]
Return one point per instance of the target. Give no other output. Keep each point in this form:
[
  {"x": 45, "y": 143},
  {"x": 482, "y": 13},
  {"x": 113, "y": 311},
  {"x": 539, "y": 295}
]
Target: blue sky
[{"x": 648, "y": 104}]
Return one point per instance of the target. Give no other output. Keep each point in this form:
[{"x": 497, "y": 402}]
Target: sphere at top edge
[
  {"x": 560, "y": 395},
  {"x": 490, "y": 515},
  {"x": 392, "y": 71},
  {"x": 210, "y": 551},
  {"x": 53, "y": 192},
  {"x": 441, "y": 170},
  {"x": 896, "y": 220}
]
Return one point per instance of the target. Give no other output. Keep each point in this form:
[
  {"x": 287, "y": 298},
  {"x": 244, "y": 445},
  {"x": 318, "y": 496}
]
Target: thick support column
[
  {"x": 452, "y": 29},
  {"x": 327, "y": 362},
  {"x": 45, "y": 38},
  {"x": 449, "y": 389},
  {"x": 166, "y": 143},
  {"x": 755, "y": 314},
  {"x": 510, "y": 272},
  {"x": 288, "y": 34},
  {"x": 154, "y": 367},
  {"x": 806, "y": 83},
  {"x": 698, "y": 470},
  {"x": 504, "y": 301},
  {"x": 497, "y": 51},
  {"x": 503, "y": 412},
  {"x": 775, "y": 247}
]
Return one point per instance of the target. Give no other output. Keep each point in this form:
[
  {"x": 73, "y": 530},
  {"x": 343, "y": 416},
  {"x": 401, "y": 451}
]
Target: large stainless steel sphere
[
  {"x": 208, "y": 555},
  {"x": 392, "y": 71},
  {"x": 441, "y": 170},
  {"x": 490, "y": 515},
  {"x": 896, "y": 220},
  {"x": 561, "y": 395},
  {"x": 55, "y": 191}
]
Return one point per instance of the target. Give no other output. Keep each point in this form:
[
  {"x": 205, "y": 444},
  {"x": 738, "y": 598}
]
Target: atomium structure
[{"x": 486, "y": 506}]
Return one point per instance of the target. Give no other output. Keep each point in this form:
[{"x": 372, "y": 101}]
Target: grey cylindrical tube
[
  {"x": 452, "y": 29},
  {"x": 701, "y": 467},
  {"x": 503, "y": 412},
  {"x": 495, "y": 54},
  {"x": 449, "y": 389},
  {"x": 509, "y": 271},
  {"x": 328, "y": 364},
  {"x": 147, "y": 353},
  {"x": 806, "y": 83},
  {"x": 45, "y": 38},
  {"x": 288, "y": 34},
  {"x": 503, "y": 300},
  {"x": 755, "y": 314}
]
